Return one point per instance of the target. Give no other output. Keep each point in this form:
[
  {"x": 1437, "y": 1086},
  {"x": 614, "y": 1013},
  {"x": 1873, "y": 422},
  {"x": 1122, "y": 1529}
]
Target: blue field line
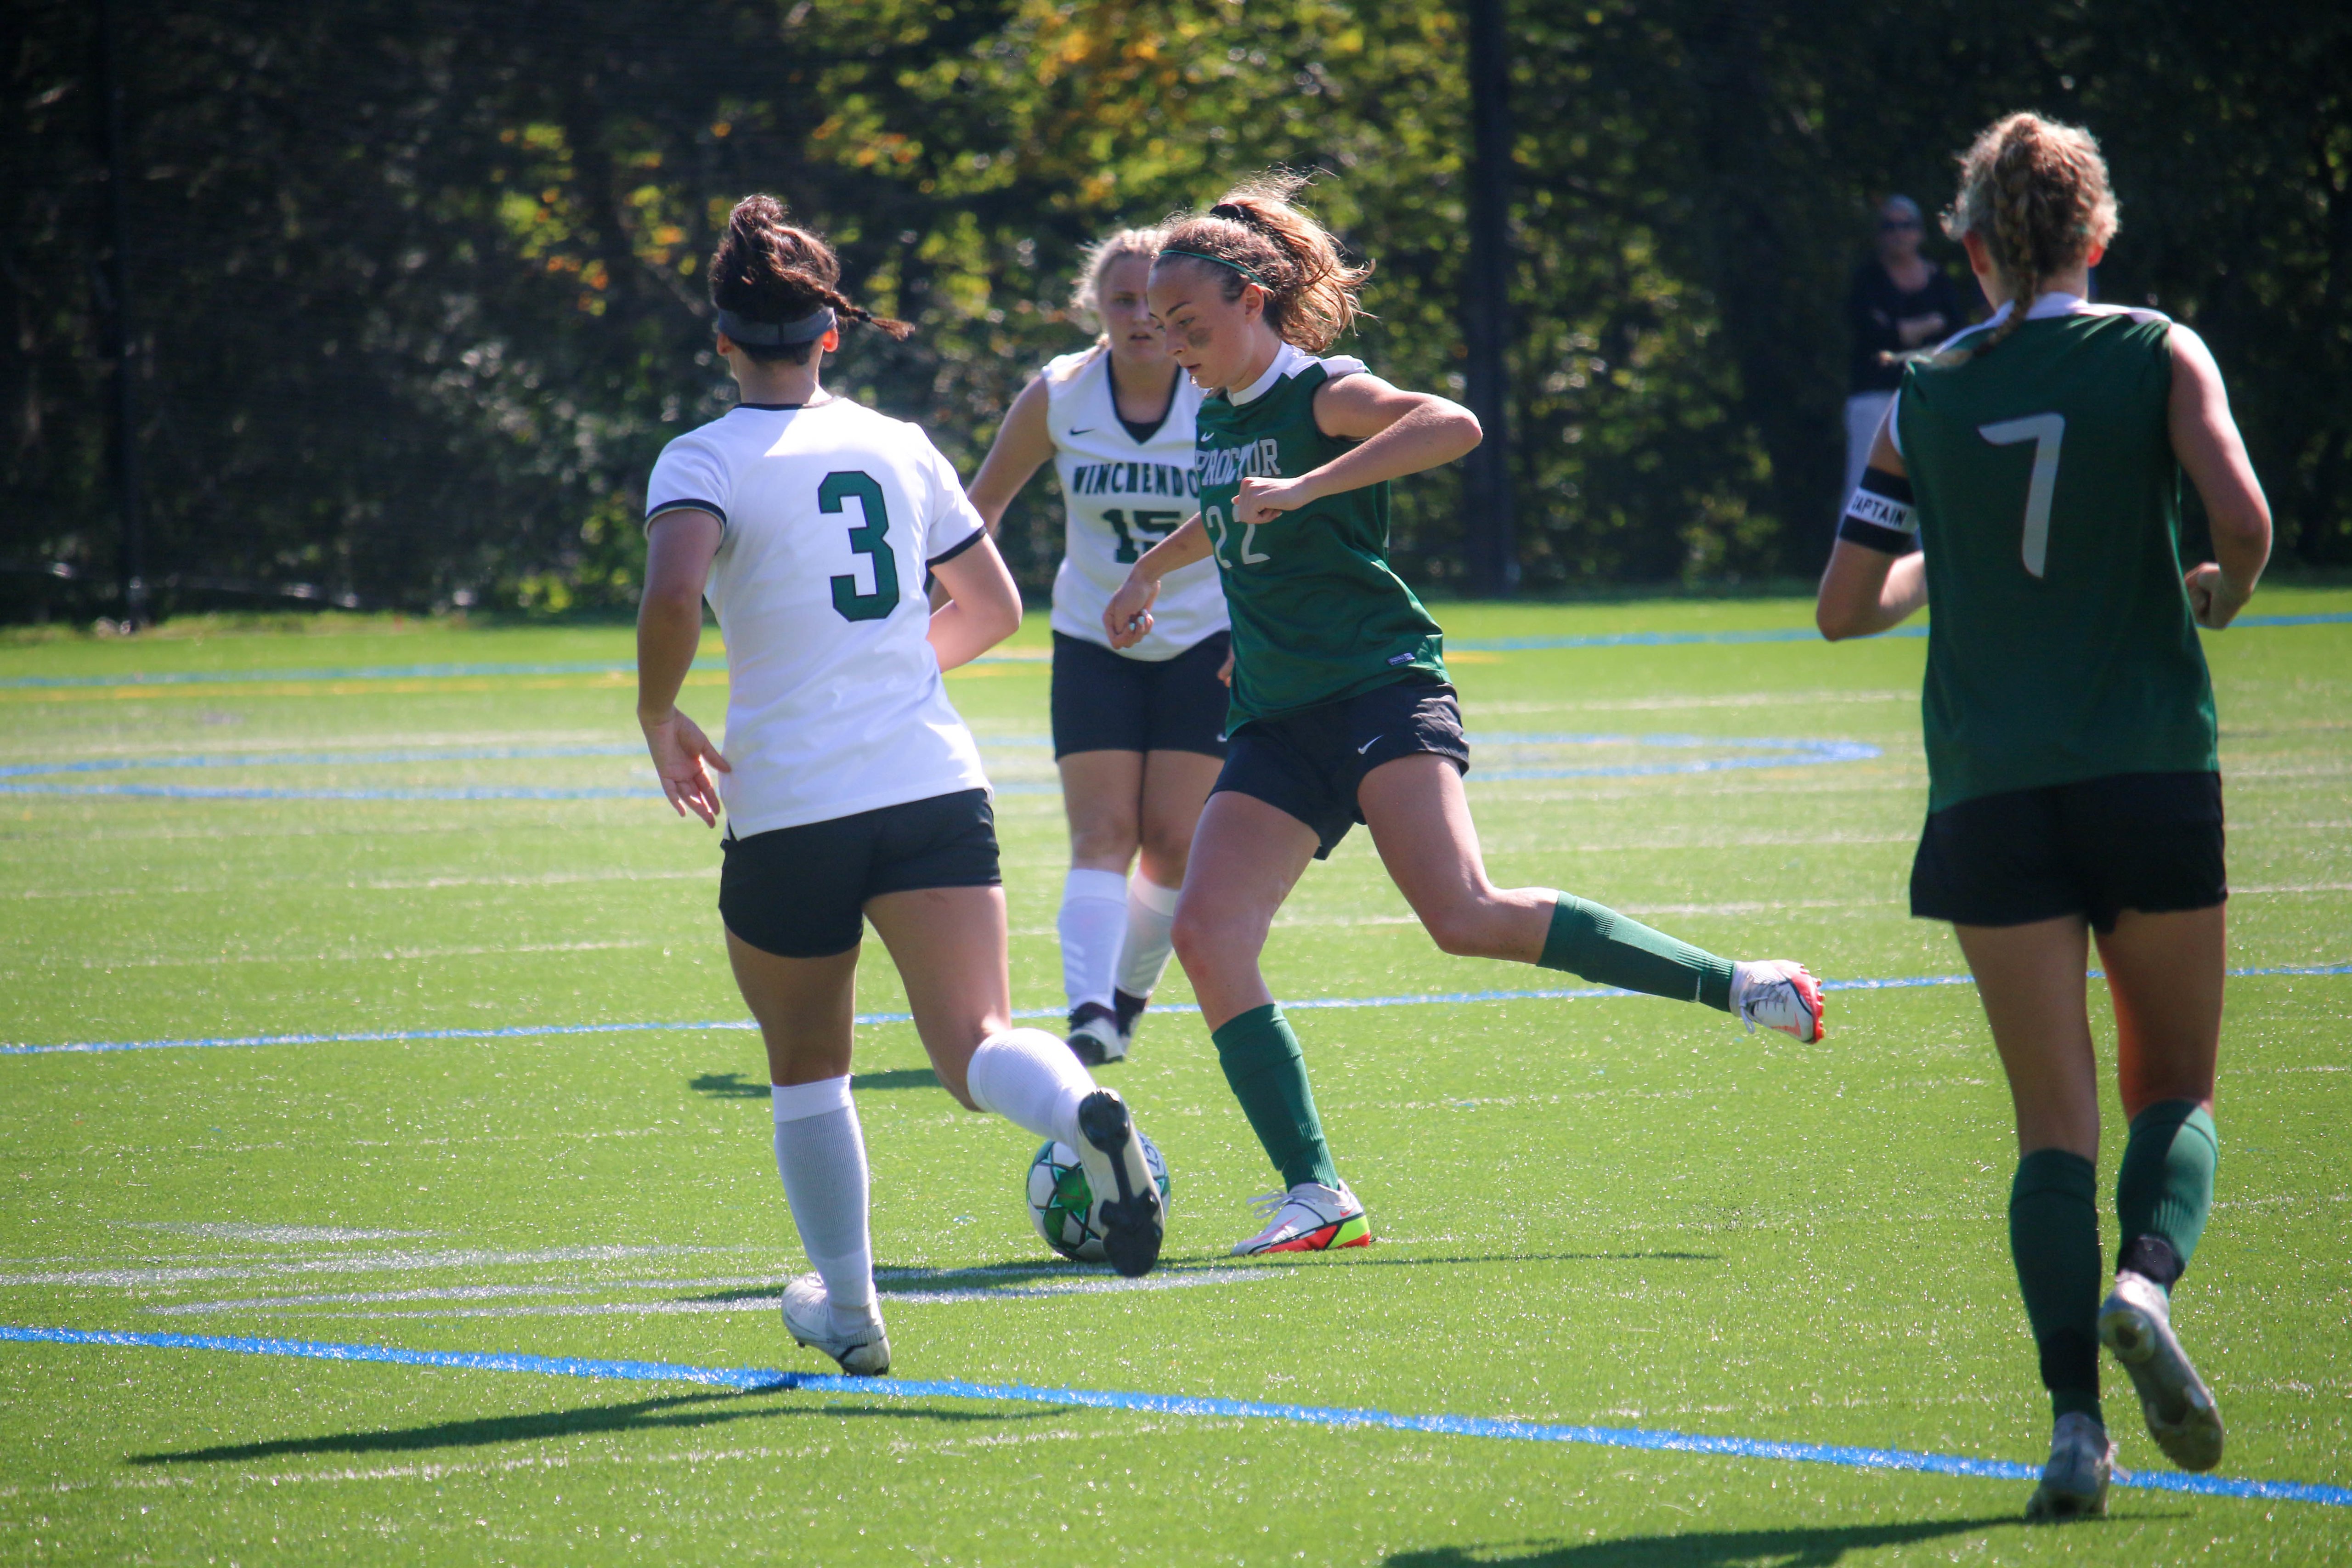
[
  {"x": 1782, "y": 634},
  {"x": 764, "y": 1380},
  {"x": 867, "y": 1020}
]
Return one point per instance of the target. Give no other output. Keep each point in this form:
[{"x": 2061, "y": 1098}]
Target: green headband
[{"x": 1221, "y": 261}]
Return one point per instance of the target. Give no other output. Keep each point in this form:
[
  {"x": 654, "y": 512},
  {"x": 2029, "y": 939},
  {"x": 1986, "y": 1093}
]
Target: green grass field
[{"x": 1617, "y": 1211}]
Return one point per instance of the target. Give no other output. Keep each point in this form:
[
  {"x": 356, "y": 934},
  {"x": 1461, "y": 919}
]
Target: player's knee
[
  {"x": 1165, "y": 850},
  {"x": 1204, "y": 944},
  {"x": 1103, "y": 842}
]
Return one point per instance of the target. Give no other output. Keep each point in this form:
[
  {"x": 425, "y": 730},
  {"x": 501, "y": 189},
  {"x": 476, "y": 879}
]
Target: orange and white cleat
[
  {"x": 1309, "y": 1218},
  {"x": 1778, "y": 994}
]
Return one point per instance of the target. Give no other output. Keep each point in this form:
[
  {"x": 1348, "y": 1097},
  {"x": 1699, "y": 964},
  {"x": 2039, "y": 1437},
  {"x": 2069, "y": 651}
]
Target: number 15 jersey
[
  {"x": 832, "y": 514},
  {"x": 2060, "y": 643}
]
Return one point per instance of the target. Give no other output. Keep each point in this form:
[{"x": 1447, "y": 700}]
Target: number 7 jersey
[
  {"x": 832, "y": 515},
  {"x": 2060, "y": 644}
]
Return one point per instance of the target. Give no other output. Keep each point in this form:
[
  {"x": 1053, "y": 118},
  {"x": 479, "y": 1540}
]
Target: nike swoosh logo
[
  {"x": 1370, "y": 745},
  {"x": 1088, "y": 431}
]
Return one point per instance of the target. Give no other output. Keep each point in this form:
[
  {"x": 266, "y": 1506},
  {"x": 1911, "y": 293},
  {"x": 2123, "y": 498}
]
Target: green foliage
[{"x": 417, "y": 291}]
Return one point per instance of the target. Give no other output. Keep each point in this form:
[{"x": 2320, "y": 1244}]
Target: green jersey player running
[
  {"x": 2074, "y": 787},
  {"x": 1341, "y": 711}
]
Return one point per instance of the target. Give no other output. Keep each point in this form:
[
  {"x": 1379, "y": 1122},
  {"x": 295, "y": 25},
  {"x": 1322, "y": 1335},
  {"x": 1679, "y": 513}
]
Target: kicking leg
[
  {"x": 2164, "y": 973},
  {"x": 803, "y": 1008},
  {"x": 2030, "y": 978},
  {"x": 1420, "y": 818},
  {"x": 1101, "y": 794}
]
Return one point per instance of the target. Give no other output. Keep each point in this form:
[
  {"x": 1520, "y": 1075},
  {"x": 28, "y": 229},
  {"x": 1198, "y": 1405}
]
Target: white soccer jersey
[
  {"x": 1123, "y": 497},
  {"x": 835, "y": 704}
]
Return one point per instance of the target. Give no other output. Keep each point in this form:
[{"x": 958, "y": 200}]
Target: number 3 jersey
[
  {"x": 1317, "y": 614},
  {"x": 2060, "y": 643},
  {"x": 832, "y": 514},
  {"x": 1123, "y": 497}
]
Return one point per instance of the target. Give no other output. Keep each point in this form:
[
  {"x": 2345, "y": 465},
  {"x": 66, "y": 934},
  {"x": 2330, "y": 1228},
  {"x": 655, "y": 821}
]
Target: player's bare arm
[
  {"x": 983, "y": 606},
  {"x": 1025, "y": 443},
  {"x": 1128, "y": 617},
  {"x": 2205, "y": 439},
  {"x": 679, "y": 546},
  {"x": 1866, "y": 589},
  {"x": 1401, "y": 432}
]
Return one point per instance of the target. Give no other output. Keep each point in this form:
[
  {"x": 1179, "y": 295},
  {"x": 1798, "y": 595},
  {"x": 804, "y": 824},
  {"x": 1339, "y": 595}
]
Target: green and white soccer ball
[{"x": 1062, "y": 1204}]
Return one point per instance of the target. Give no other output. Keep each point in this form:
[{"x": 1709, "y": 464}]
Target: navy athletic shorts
[
  {"x": 2151, "y": 842},
  {"x": 1105, "y": 701},
  {"x": 800, "y": 893},
  {"x": 1309, "y": 762}
]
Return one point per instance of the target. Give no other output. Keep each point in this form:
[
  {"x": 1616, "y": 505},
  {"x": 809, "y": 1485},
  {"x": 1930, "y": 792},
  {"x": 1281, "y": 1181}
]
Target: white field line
[
  {"x": 1759, "y": 699},
  {"x": 290, "y": 1235},
  {"x": 379, "y": 885},
  {"x": 352, "y": 956},
  {"x": 1158, "y": 1281},
  {"x": 448, "y": 1293},
  {"x": 365, "y": 1263}
]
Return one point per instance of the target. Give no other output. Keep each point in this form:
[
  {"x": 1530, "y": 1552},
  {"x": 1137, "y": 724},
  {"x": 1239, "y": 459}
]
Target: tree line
[{"x": 414, "y": 286}]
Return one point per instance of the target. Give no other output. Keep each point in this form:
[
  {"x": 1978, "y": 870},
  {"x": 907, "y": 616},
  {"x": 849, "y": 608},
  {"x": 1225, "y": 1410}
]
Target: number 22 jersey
[
  {"x": 2060, "y": 643},
  {"x": 832, "y": 513}
]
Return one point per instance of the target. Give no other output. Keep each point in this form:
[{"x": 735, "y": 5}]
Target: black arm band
[
  {"x": 952, "y": 551},
  {"x": 1879, "y": 515}
]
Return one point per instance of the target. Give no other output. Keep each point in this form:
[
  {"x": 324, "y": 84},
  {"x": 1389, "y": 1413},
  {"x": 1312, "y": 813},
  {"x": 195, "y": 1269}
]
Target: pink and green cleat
[{"x": 1309, "y": 1218}]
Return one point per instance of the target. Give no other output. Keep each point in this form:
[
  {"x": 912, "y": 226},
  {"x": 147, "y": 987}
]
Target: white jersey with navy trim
[
  {"x": 831, "y": 515},
  {"x": 1124, "y": 495}
]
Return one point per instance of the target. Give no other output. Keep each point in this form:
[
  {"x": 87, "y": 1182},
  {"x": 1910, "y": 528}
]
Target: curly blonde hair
[
  {"x": 1261, "y": 236},
  {"x": 1097, "y": 260},
  {"x": 2036, "y": 192}
]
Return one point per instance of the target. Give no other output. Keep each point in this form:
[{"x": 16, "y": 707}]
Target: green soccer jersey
[
  {"x": 2061, "y": 646},
  {"x": 1317, "y": 616}
]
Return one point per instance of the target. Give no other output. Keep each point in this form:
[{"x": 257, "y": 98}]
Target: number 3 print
[{"x": 867, "y": 539}]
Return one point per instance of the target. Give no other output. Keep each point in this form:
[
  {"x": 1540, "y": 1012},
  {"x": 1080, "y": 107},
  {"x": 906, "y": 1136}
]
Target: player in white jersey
[
  {"x": 853, "y": 792},
  {"x": 1139, "y": 732}
]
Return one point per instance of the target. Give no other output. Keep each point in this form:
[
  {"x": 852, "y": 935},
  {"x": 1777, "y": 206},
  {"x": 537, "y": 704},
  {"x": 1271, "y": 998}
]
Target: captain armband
[{"x": 1879, "y": 515}]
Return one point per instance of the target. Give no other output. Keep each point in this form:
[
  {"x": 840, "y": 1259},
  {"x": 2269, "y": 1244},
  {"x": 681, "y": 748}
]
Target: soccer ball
[{"x": 1062, "y": 1203}]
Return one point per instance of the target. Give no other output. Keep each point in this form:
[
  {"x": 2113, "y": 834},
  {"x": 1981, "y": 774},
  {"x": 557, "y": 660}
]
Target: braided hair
[
  {"x": 2036, "y": 192},
  {"x": 1255, "y": 235},
  {"x": 767, "y": 270}
]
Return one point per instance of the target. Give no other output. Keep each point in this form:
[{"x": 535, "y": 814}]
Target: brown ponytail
[
  {"x": 767, "y": 270},
  {"x": 1255, "y": 235},
  {"x": 2036, "y": 192}
]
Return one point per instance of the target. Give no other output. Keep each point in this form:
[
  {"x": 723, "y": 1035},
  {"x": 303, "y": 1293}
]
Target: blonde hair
[
  {"x": 1098, "y": 258},
  {"x": 1256, "y": 235},
  {"x": 2036, "y": 192}
]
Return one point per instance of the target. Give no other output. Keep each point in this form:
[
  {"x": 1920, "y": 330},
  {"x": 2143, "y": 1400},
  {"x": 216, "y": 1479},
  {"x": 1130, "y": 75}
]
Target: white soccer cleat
[
  {"x": 1096, "y": 1036},
  {"x": 865, "y": 1351},
  {"x": 1778, "y": 994},
  {"x": 1126, "y": 1199},
  {"x": 2074, "y": 1482},
  {"x": 2136, "y": 1322},
  {"x": 1309, "y": 1218}
]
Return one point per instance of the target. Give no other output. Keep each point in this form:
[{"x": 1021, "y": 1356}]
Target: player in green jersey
[
  {"x": 1340, "y": 710},
  {"x": 2072, "y": 784}
]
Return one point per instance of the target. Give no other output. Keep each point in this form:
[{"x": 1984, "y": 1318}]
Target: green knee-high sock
[
  {"x": 1268, "y": 1075},
  {"x": 2165, "y": 1189},
  {"x": 1604, "y": 947},
  {"x": 2053, "y": 1235}
]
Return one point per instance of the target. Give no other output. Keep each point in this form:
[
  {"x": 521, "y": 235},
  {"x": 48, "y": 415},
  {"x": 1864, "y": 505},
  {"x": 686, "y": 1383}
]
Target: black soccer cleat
[
  {"x": 1128, "y": 1008},
  {"x": 1131, "y": 1222},
  {"x": 1094, "y": 1037}
]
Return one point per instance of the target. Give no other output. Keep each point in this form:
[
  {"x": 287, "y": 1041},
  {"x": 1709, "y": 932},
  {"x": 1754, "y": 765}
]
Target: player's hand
[
  {"x": 2213, "y": 599},
  {"x": 1225, "y": 670},
  {"x": 1128, "y": 617},
  {"x": 1262, "y": 500},
  {"x": 680, "y": 750}
]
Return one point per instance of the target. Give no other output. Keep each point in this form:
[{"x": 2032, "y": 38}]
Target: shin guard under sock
[
  {"x": 2165, "y": 1189},
  {"x": 2053, "y": 1235},
  {"x": 1268, "y": 1075},
  {"x": 1606, "y": 948}
]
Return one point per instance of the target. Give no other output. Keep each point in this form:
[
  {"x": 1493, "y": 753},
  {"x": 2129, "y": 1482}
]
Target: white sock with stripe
[
  {"x": 1093, "y": 919},
  {"x": 821, "y": 1155}
]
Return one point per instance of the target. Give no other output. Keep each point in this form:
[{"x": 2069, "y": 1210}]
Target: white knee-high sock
[
  {"x": 821, "y": 1155},
  {"x": 1150, "y": 916},
  {"x": 1030, "y": 1079},
  {"x": 1094, "y": 914}
]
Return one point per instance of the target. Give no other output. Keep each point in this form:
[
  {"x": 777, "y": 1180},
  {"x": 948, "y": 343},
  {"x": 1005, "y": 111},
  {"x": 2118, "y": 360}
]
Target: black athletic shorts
[
  {"x": 2151, "y": 842},
  {"x": 1105, "y": 701},
  {"x": 1309, "y": 762},
  {"x": 800, "y": 893}
]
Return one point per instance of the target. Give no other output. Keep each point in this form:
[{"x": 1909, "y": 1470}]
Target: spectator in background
[{"x": 1899, "y": 301}]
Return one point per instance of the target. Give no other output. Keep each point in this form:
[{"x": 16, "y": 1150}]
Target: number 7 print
[{"x": 2046, "y": 431}]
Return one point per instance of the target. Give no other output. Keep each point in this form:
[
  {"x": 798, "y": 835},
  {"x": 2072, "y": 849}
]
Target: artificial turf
[{"x": 1609, "y": 1211}]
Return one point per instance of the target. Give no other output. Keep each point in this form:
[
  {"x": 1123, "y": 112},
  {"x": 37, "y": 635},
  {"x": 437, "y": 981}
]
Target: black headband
[{"x": 754, "y": 334}]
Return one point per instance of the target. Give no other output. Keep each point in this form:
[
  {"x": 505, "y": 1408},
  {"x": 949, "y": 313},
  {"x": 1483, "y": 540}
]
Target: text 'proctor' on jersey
[
  {"x": 1318, "y": 615},
  {"x": 832, "y": 515},
  {"x": 1124, "y": 494}
]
